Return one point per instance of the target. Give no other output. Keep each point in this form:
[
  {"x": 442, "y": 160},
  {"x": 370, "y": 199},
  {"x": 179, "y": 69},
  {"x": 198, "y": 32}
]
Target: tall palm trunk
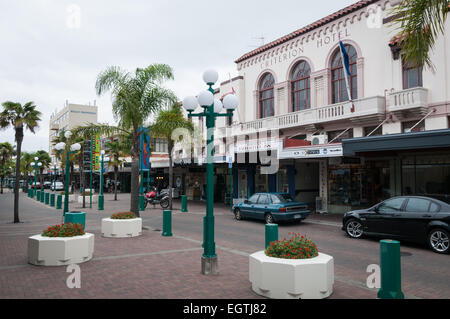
[
  {"x": 135, "y": 176},
  {"x": 1, "y": 184},
  {"x": 19, "y": 139}
]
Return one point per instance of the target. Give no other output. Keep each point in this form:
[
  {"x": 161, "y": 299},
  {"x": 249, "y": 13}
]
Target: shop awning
[{"x": 398, "y": 142}]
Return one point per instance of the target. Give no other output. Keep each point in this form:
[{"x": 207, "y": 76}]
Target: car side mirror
[{"x": 246, "y": 202}]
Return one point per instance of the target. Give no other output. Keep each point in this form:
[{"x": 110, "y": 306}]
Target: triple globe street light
[
  {"x": 35, "y": 165},
  {"x": 212, "y": 109}
]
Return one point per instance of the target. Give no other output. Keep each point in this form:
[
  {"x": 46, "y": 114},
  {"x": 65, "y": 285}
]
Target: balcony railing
[
  {"x": 367, "y": 108},
  {"x": 412, "y": 100}
]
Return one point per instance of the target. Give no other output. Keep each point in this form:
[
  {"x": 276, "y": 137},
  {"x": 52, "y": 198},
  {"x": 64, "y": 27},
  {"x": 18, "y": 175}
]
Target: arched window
[
  {"x": 266, "y": 96},
  {"x": 338, "y": 84},
  {"x": 300, "y": 86}
]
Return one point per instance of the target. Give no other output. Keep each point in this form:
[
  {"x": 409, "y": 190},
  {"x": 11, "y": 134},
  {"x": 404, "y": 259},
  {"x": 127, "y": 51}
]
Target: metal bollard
[
  {"x": 59, "y": 202},
  {"x": 42, "y": 196},
  {"x": 391, "y": 277},
  {"x": 167, "y": 223},
  {"x": 141, "y": 203},
  {"x": 38, "y": 196},
  {"x": 271, "y": 234},
  {"x": 184, "y": 204},
  {"x": 52, "y": 200},
  {"x": 47, "y": 198}
]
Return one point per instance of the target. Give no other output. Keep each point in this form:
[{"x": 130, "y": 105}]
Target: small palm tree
[
  {"x": 25, "y": 164},
  {"x": 136, "y": 97},
  {"x": 20, "y": 117},
  {"x": 165, "y": 125},
  {"x": 420, "y": 23},
  {"x": 6, "y": 153},
  {"x": 116, "y": 150},
  {"x": 44, "y": 158}
]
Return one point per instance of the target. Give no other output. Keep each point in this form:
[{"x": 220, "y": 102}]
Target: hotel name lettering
[{"x": 297, "y": 52}]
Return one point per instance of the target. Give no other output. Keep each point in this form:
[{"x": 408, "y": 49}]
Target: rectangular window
[
  {"x": 407, "y": 127},
  {"x": 333, "y": 135},
  {"x": 160, "y": 146},
  {"x": 370, "y": 129},
  {"x": 412, "y": 76}
]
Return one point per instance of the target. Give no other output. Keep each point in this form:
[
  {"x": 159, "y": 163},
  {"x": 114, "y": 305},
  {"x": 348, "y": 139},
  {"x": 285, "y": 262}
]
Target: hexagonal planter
[
  {"x": 292, "y": 279},
  {"x": 60, "y": 251},
  {"x": 121, "y": 228}
]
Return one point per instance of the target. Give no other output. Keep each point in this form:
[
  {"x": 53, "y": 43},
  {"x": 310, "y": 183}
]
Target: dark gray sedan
[{"x": 410, "y": 218}]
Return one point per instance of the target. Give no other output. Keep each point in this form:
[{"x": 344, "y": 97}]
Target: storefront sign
[
  {"x": 312, "y": 152},
  {"x": 260, "y": 145}
]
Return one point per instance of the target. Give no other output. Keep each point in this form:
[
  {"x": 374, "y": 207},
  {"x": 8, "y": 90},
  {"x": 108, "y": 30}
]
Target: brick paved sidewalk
[{"x": 150, "y": 266}]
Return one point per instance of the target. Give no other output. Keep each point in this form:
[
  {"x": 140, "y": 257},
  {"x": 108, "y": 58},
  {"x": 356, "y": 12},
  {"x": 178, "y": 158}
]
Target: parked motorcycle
[{"x": 154, "y": 199}]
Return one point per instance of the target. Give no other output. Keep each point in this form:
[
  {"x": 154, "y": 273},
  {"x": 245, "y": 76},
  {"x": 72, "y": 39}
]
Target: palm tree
[
  {"x": 26, "y": 168},
  {"x": 6, "y": 153},
  {"x": 19, "y": 117},
  {"x": 116, "y": 150},
  {"x": 420, "y": 23},
  {"x": 44, "y": 158},
  {"x": 165, "y": 125},
  {"x": 135, "y": 98}
]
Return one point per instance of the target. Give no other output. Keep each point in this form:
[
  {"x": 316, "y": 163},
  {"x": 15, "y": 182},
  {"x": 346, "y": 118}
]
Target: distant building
[{"x": 71, "y": 116}]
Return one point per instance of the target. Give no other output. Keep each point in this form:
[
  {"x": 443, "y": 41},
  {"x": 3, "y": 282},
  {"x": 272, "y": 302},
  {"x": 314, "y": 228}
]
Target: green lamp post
[
  {"x": 101, "y": 198},
  {"x": 35, "y": 165},
  {"x": 60, "y": 147},
  {"x": 211, "y": 110}
]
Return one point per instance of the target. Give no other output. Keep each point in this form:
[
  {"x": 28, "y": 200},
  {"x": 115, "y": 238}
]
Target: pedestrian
[{"x": 72, "y": 188}]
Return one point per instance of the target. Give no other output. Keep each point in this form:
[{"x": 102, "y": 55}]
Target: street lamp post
[
  {"x": 211, "y": 110},
  {"x": 101, "y": 198},
  {"x": 35, "y": 165},
  {"x": 73, "y": 149}
]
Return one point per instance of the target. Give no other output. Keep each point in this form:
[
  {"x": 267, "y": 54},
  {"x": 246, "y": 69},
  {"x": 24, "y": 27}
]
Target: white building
[{"x": 294, "y": 87}]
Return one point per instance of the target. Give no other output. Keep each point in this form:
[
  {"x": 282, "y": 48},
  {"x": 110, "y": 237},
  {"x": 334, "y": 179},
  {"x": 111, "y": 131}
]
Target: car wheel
[
  {"x": 438, "y": 239},
  {"x": 354, "y": 228},
  {"x": 269, "y": 219},
  {"x": 237, "y": 214}
]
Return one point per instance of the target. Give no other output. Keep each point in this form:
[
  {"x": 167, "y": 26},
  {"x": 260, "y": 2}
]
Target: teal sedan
[{"x": 272, "y": 207}]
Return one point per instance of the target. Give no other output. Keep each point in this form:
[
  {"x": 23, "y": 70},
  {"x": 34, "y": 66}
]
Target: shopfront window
[
  {"x": 426, "y": 175},
  {"x": 261, "y": 181},
  {"x": 283, "y": 181},
  {"x": 359, "y": 185}
]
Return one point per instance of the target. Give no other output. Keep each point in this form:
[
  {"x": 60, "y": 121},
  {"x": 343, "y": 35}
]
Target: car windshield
[{"x": 282, "y": 198}]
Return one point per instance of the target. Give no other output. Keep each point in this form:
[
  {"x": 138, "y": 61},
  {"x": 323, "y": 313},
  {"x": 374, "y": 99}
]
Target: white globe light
[
  {"x": 75, "y": 147},
  {"x": 39, "y": 164},
  {"x": 218, "y": 106},
  {"x": 230, "y": 102},
  {"x": 190, "y": 103},
  {"x": 36, "y": 158},
  {"x": 205, "y": 98},
  {"x": 68, "y": 134},
  {"x": 210, "y": 77},
  {"x": 32, "y": 164},
  {"x": 60, "y": 146}
]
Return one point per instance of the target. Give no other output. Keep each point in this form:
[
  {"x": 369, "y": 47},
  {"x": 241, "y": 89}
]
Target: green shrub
[
  {"x": 66, "y": 230},
  {"x": 64, "y": 193},
  {"x": 126, "y": 215},
  {"x": 298, "y": 247}
]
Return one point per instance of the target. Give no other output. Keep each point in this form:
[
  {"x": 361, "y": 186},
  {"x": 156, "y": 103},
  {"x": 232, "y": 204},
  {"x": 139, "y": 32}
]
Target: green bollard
[
  {"x": 101, "y": 202},
  {"x": 167, "y": 223},
  {"x": 47, "y": 198},
  {"x": 271, "y": 234},
  {"x": 42, "y": 196},
  {"x": 38, "y": 196},
  {"x": 52, "y": 200},
  {"x": 391, "y": 271},
  {"x": 184, "y": 204},
  {"x": 59, "y": 202}
]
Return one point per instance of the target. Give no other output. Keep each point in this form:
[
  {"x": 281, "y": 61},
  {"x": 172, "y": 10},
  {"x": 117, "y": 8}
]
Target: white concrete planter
[
  {"x": 121, "y": 228},
  {"x": 292, "y": 279},
  {"x": 88, "y": 199},
  {"x": 59, "y": 251}
]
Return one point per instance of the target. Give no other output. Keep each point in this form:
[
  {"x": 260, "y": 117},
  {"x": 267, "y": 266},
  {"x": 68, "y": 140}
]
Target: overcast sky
[{"x": 48, "y": 55}]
